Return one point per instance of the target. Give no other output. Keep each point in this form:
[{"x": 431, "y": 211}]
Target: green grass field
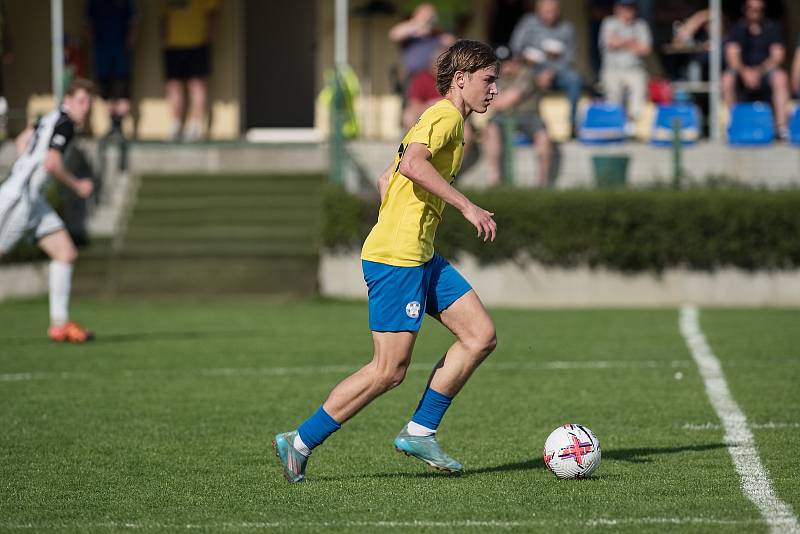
[{"x": 164, "y": 423}]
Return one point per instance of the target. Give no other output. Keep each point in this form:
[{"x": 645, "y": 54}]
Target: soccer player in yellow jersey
[{"x": 406, "y": 279}]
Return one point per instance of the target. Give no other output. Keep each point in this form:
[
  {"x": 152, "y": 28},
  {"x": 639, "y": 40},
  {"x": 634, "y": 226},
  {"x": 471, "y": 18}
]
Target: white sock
[
  {"x": 416, "y": 429},
  {"x": 60, "y": 284},
  {"x": 301, "y": 447}
]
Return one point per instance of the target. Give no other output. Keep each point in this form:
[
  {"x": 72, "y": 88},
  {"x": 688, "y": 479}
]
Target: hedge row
[{"x": 623, "y": 230}]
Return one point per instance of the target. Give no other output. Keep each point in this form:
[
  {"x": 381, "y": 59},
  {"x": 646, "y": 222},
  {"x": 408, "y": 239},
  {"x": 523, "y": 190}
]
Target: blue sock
[
  {"x": 431, "y": 409},
  {"x": 317, "y": 428}
]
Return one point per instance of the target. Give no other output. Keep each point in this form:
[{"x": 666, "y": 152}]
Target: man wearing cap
[{"x": 625, "y": 41}]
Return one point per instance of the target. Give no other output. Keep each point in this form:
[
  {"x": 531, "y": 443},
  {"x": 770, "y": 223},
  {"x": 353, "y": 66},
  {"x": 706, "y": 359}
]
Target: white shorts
[{"x": 19, "y": 217}]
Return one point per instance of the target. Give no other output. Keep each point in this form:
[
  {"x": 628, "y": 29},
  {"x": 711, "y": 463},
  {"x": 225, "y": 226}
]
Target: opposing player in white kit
[{"x": 24, "y": 211}]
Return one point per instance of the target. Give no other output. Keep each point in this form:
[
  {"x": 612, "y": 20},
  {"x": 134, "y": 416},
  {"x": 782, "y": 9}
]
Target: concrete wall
[{"x": 536, "y": 286}]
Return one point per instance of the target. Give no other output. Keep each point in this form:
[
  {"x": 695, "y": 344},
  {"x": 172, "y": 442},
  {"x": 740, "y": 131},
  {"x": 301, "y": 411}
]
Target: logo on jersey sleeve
[
  {"x": 412, "y": 309},
  {"x": 58, "y": 140}
]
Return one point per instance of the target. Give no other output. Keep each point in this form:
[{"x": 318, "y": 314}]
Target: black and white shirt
[{"x": 54, "y": 130}]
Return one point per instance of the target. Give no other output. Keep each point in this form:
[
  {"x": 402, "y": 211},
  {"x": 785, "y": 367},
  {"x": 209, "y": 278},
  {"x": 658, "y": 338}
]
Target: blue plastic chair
[
  {"x": 602, "y": 123},
  {"x": 689, "y": 118},
  {"x": 752, "y": 124},
  {"x": 794, "y": 127}
]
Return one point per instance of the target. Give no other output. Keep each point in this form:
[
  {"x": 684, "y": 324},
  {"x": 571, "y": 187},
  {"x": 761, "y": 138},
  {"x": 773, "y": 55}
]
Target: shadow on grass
[
  {"x": 128, "y": 337},
  {"x": 635, "y": 455}
]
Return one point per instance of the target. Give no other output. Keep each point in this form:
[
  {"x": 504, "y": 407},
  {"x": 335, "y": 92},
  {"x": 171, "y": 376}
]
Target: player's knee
[
  {"x": 483, "y": 341},
  {"x": 390, "y": 378}
]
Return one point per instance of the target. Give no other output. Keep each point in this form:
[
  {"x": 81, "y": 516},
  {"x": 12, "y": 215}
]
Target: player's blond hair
[
  {"x": 465, "y": 56},
  {"x": 77, "y": 84}
]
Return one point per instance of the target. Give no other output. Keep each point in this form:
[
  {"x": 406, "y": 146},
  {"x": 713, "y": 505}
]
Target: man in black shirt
[{"x": 754, "y": 53}]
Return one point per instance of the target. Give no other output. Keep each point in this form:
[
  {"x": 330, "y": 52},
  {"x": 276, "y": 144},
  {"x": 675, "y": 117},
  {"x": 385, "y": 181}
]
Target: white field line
[
  {"x": 338, "y": 369},
  {"x": 298, "y": 525},
  {"x": 741, "y": 445},
  {"x": 770, "y": 425}
]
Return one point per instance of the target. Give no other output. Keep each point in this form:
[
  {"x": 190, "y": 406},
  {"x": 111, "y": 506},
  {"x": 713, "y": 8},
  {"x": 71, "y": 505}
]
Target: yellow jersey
[
  {"x": 409, "y": 214},
  {"x": 187, "y": 22}
]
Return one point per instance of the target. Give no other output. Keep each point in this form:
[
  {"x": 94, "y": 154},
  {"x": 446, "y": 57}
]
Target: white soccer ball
[{"x": 572, "y": 451}]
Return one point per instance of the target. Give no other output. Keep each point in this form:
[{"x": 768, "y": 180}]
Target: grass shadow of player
[{"x": 633, "y": 455}]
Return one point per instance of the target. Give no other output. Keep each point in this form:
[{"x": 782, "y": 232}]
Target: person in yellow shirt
[
  {"x": 407, "y": 279},
  {"x": 188, "y": 27}
]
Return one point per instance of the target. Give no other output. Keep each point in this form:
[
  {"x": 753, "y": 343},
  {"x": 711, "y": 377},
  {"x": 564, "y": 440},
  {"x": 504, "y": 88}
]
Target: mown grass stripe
[{"x": 738, "y": 437}]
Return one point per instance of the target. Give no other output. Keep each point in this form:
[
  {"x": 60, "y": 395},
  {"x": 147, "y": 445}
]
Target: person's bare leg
[
  {"x": 728, "y": 86},
  {"x": 493, "y": 148},
  {"x": 779, "y": 82},
  {"x": 544, "y": 154},
  {"x": 174, "y": 90},
  {"x": 198, "y": 96},
  {"x": 392, "y": 355},
  {"x": 476, "y": 338}
]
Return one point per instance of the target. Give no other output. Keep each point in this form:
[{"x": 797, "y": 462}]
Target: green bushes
[{"x": 624, "y": 230}]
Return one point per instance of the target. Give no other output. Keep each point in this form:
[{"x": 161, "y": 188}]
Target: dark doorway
[{"x": 279, "y": 64}]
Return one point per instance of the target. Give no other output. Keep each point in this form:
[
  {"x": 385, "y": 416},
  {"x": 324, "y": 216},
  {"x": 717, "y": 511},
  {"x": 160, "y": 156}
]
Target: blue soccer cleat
[
  {"x": 293, "y": 462},
  {"x": 427, "y": 449}
]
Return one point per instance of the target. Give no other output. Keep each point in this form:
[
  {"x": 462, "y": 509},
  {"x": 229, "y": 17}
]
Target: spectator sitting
[
  {"x": 420, "y": 95},
  {"x": 419, "y": 39},
  {"x": 515, "y": 102},
  {"x": 188, "y": 27},
  {"x": 796, "y": 69},
  {"x": 624, "y": 41},
  {"x": 754, "y": 52},
  {"x": 113, "y": 27},
  {"x": 548, "y": 42}
]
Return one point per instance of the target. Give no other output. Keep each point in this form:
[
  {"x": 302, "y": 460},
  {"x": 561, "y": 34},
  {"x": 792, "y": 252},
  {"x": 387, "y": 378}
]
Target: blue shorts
[{"x": 398, "y": 296}]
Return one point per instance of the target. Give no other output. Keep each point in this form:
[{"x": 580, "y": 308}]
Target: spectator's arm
[
  {"x": 733, "y": 56},
  {"x": 608, "y": 39},
  {"x": 796, "y": 70},
  {"x": 133, "y": 27},
  {"x": 643, "y": 45},
  {"x": 507, "y": 99},
  {"x": 213, "y": 24},
  {"x": 413, "y": 27},
  {"x": 570, "y": 45},
  {"x": 690, "y": 27},
  {"x": 777, "y": 53}
]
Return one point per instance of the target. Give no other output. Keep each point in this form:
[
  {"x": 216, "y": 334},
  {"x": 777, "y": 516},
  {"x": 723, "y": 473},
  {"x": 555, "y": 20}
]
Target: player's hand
[
  {"x": 482, "y": 220},
  {"x": 84, "y": 187}
]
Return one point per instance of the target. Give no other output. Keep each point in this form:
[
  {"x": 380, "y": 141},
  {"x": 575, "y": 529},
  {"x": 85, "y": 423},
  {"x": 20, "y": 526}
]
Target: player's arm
[
  {"x": 22, "y": 140},
  {"x": 777, "y": 53},
  {"x": 416, "y": 166},
  {"x": 383, "y": 181},
  {"x": 54, "y": 165}
]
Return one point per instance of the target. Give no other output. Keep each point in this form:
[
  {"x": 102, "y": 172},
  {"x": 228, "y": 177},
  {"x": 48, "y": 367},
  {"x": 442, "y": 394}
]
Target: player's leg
[
  {"x": 396, "y": 300},
  {"x": 456, "y": 305},
  {"x": 54, "y": 240}
]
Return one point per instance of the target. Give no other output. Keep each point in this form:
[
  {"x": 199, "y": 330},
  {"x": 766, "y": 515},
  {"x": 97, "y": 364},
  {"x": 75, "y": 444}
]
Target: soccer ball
[{"x": 572, "y": 451}]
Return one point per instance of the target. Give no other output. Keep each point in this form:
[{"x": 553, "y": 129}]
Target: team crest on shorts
[{"x": 412, "y": 309}]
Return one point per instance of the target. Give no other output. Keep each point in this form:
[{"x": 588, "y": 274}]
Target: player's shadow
[{"x": 632, "y": 455}]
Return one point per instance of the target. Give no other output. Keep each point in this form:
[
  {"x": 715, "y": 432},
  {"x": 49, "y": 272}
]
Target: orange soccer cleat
[{"x": 70, "y": 333}]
